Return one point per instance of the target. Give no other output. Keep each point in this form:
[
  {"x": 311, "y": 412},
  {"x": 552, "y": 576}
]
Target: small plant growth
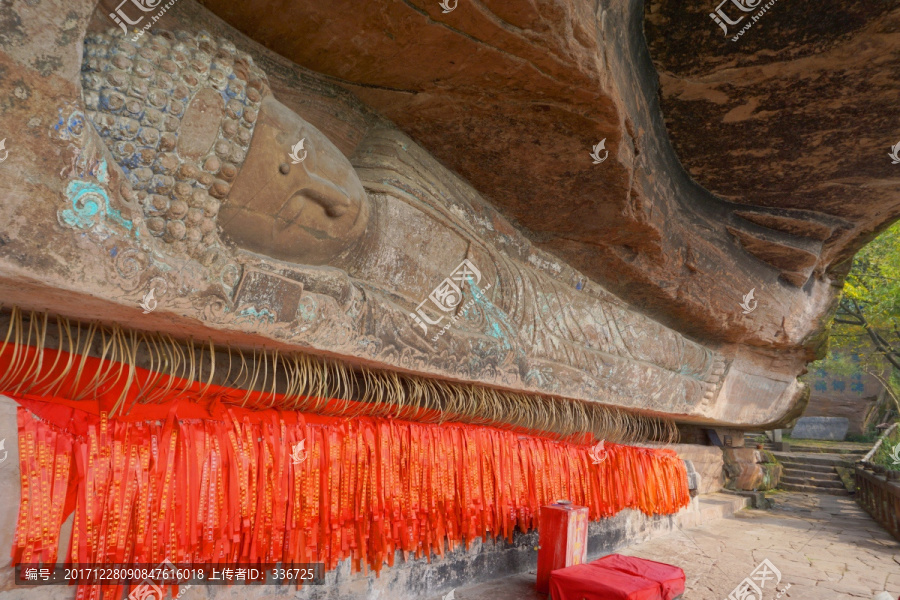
[{"x": 888, "y": 454}]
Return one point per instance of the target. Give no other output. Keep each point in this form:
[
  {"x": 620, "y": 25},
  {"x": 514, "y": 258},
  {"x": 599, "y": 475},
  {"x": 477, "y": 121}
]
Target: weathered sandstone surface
[{"x": 447, "y": 219}]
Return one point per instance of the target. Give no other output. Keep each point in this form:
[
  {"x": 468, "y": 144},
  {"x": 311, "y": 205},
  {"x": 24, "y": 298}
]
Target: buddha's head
[
  {"x": 206, "y": 147},
  {"x": 297, "y": 198}
]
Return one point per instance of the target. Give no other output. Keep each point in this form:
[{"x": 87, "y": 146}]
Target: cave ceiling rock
[{"x": 441, "y": 148}]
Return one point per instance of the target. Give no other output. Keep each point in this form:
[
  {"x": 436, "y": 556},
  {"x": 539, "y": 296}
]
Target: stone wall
[
  {"x": 853, "y": 396},
  {"x": 709, "y": 463},
  {"x": 820, "y": 428},
  {"x": 747, "y": 469},
  {"x": 859, "y": 411}
]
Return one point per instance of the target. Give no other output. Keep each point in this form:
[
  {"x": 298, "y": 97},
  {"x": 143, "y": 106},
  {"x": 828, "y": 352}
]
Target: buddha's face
[{"x": 306, "y": 212}]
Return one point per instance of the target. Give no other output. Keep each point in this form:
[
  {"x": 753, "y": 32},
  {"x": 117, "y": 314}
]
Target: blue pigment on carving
[
  {"x": 73, "y": 126},
  {"x": 76, "y": 121},
  {"x": 103, "y": 174},
  {"x": 306, "y": 314},
  {"x": 89, "y": 202},
  {"x": 493, "y": 315},
  {"x": 86, "y": 199},
  {"x": 259, "y": 315}
]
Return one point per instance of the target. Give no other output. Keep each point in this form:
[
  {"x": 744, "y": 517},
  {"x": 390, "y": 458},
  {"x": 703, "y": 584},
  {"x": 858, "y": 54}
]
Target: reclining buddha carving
[{"x": 206, "y": 148}]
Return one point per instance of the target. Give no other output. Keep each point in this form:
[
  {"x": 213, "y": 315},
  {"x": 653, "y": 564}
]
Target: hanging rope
[{"x": 58, "y": 358}]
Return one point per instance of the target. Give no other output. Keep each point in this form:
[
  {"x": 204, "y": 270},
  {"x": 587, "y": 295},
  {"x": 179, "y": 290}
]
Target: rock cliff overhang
[{"x": 512, "y": 99}]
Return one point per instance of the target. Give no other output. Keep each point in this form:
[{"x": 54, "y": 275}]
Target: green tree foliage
[{"x": 867, "y": 322}]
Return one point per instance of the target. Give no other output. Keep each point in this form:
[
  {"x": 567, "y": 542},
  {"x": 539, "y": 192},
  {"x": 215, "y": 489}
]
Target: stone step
[
  {"x": 806, "y": 471},
  {"x": 821, "y": 483},
  {"x": 805, "y": 468},
  {"x": 819, "y": 450},
  {"x": 809, "y": 480},
  {"x": 790, "y": 458},
  {"x": 811, "y": 489},
  {"x": 751, "y": 443},
  {"x": 710, "y": 507},
  {"x": 811, "y": 468},
  {"x": 811, "y": 471}
]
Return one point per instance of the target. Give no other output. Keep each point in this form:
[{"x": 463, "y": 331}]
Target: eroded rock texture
[
  {"x": 394, "y": 223},
  {"x": 168, "y": 160},
  {"x": 793, "y": 121},
  {"x": 787, "y": 130},
  {"x": 513, "y": 95}
]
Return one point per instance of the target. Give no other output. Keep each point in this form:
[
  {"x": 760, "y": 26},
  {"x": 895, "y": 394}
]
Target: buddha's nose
[{"x": 330, "y": 197}]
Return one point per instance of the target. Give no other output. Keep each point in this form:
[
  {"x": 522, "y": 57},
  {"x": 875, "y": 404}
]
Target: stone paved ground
[{"x": 826, "y": 548}]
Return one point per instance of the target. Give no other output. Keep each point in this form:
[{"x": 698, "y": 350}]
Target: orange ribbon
[{"x": 196, "y": 479}]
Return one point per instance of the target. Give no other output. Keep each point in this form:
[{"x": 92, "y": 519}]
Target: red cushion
[
  {"x": 593, "y": 582},
  {"x": 670, "y": 577}
]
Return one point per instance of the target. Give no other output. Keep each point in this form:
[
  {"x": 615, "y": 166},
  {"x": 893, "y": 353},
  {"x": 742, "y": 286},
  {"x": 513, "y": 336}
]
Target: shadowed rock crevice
[{"x": 794, "y": 115}]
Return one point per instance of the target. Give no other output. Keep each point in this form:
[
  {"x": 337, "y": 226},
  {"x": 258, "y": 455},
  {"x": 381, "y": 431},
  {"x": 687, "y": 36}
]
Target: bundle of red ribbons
[{"x": 218, "y": 484}]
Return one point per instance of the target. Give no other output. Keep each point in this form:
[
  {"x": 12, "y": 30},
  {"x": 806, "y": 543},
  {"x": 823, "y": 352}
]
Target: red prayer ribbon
[{"x": 198, "y": 480}]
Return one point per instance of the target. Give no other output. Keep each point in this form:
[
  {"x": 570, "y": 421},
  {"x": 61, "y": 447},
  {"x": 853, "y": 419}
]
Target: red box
[
  {"x": 563, "y": 540},
  {"x": 593, "y": 582},
  {"x": 670, "y": 578}
]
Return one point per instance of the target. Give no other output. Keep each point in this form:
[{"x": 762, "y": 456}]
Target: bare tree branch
[{"x": 887, "y": 386}]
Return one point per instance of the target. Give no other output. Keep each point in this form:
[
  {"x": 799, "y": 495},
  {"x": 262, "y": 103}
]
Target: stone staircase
[
  {"x": 750, "y": 441},
  {"x": 814, "y": 473},
  {"x": 853, "y": 451},
  {"x": 811, "y": 467}
]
